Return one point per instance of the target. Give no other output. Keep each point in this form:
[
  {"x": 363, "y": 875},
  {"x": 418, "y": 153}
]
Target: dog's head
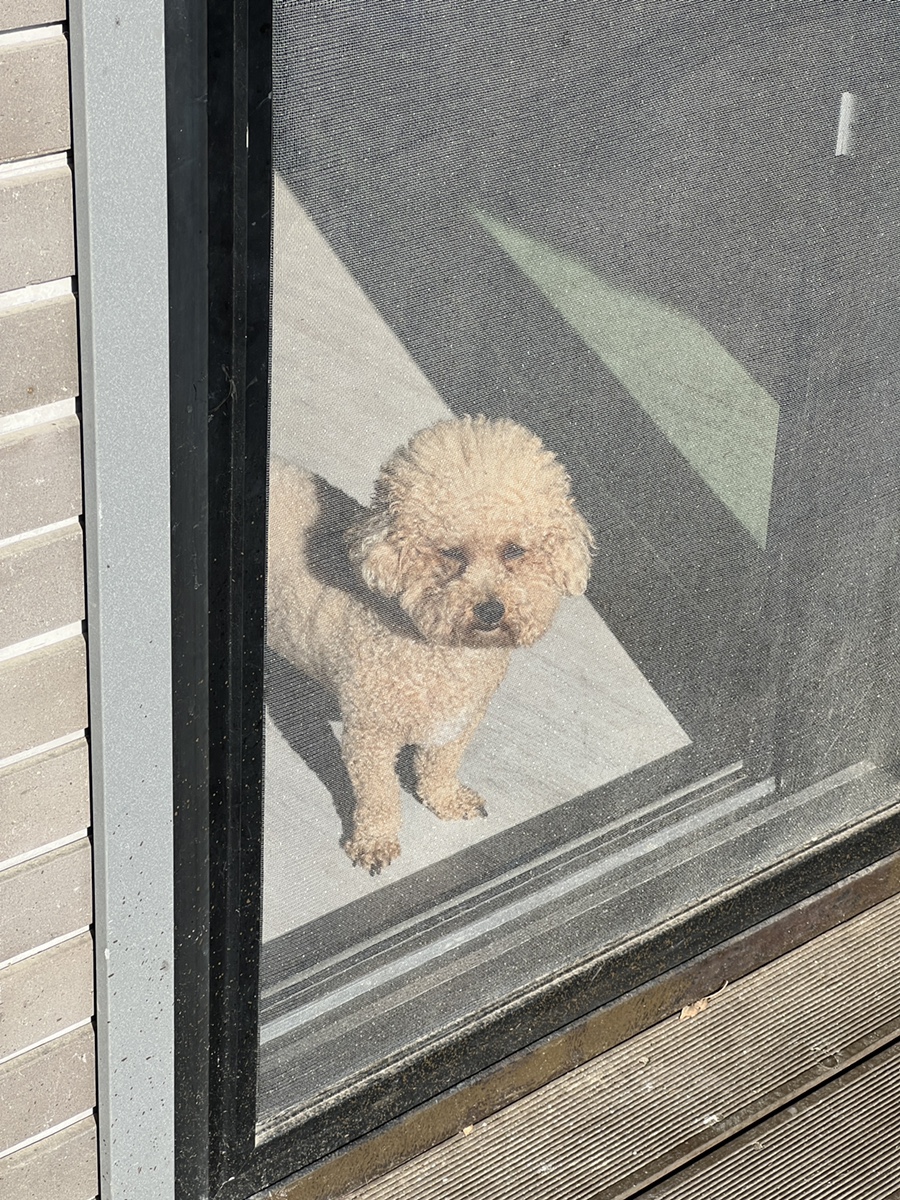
[{"x": 474, "y": 532}]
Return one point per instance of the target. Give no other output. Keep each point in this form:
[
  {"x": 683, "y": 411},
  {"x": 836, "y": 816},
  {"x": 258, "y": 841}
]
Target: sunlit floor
[{"x": 574, "y": 711}]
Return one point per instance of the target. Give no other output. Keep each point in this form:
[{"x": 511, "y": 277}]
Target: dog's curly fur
[{"x": 470, "y": 542}]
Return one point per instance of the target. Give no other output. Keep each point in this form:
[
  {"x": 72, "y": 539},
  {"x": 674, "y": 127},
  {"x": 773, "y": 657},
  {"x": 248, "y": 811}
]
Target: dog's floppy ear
[
  {"x": 375, "y": 551},
  {"x": 572, "y": 556}
]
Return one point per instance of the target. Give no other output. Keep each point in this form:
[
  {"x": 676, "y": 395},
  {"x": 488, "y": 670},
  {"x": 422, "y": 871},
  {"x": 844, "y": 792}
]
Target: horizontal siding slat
[
  {"x": 43, "y": 695},
  {"x": 40, "y": 476},
  {"x": 45, "y": 898},
  {"x": 46, "y": 993},
  {"x": 51, "y": 1084},
  {"x": 41, "y": 585},
  {"x": 36, "y": 217},
  {"x": 21, "y": 14},
  {"x": 61, "y": 1167},
  {"x": 44, "y": 799},
  {"x": 38, "y": 354},
  {"x": 34, "y": 98}
]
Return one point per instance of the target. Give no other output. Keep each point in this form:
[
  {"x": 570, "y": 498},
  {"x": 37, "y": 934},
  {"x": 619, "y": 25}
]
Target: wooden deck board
[
  {"x": 635, "y": 1114},
  {"x": 840, "y": 1141}
]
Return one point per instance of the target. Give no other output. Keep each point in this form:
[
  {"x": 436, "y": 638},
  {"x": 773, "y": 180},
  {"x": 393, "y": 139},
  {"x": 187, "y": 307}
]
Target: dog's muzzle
[{"x": 489, "y": 614}]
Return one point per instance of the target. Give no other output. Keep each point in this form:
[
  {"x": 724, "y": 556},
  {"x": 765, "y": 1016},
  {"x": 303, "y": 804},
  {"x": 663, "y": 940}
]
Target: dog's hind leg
[
  {"x": 369, "y": 757},
  {"x": 437, "y": 785}
]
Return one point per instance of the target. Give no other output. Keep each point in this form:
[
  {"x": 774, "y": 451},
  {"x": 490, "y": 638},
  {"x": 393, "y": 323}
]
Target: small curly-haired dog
[{"x": 409, "y": 615}]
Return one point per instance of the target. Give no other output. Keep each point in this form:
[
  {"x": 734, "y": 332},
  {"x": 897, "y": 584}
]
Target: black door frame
[{"x": 219, "y": 207}]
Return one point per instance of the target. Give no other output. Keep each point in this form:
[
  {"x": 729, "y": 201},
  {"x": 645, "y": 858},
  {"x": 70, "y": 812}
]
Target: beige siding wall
[{"x": 47, "y": 1126}]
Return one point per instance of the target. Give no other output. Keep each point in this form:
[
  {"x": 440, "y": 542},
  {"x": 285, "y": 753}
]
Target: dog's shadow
[
  {"x": 327, "y": 556},
  {"x": 302, "y": 709}
]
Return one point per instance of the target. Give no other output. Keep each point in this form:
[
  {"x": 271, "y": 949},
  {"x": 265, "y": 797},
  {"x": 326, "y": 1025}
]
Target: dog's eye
[
  {"x": 513, "y": 551},
  {"x": 454, "y": 554}
]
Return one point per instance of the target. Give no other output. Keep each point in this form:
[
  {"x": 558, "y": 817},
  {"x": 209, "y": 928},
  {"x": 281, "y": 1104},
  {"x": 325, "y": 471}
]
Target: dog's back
[
  {"x": 293, "y": 593},
  {"x": 293, "y": 511},
  {"x": 314, "y": 605}
]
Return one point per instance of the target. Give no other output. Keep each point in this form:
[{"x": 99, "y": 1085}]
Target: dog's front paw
[
  {"x": 456, "y": 803},
  {"x": 371, "y": 853}
]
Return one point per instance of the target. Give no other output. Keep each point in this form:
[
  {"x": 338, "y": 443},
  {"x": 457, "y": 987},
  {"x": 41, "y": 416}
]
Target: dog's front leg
[
  {"x": 369, "y": 756},
  {"x": 437, "y": 785}
]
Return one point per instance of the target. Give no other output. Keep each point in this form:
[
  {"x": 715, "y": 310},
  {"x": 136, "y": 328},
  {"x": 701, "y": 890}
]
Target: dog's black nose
[{"x": 489, "y": 613}]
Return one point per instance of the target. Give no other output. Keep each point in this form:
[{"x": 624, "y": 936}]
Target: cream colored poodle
[{"x": 409, "y": 615}]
